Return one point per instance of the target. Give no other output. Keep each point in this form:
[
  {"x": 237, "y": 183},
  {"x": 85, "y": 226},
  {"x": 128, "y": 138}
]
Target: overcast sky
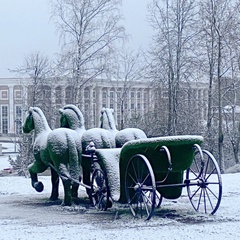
[{"x": 26, "y": 27}]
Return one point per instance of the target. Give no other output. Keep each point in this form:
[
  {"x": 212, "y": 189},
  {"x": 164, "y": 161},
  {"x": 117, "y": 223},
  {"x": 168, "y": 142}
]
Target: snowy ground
[
  {"x": 7, "y": 149},
  {"x": 26, "y": 214}
]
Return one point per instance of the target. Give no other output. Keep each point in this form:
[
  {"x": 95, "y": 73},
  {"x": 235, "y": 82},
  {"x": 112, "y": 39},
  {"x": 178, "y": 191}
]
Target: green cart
[{"x": 145, "y": 171}]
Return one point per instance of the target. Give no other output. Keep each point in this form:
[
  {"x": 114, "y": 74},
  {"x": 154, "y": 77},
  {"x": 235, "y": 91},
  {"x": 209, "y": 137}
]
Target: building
[
  {"x": 15, "y": 100},
  {"x": 128, "y": 100}
]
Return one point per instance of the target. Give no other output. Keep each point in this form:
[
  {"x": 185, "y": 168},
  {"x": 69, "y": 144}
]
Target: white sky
[{"x": 26, "y": 27}]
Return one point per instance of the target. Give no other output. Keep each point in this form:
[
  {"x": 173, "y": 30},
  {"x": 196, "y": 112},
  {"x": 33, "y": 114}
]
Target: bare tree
[
  {"x": 172, "y": 54},
  {"x": 123, "y": 71},
  {"x": 38, "y": 69},
  {"x": 218, "y": 22},
  {"x": 88, "y": 30}
]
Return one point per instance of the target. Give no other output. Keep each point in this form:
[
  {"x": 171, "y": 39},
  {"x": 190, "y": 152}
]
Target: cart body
[
  {"x": 145, "y": 171},
  {"x": 182, "y": 154}
]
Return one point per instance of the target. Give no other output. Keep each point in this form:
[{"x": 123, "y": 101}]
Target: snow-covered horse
[
  {"x": 71, "y": 117},
  {"x": 122, "y": 136},
  {"x": 59, "y": 149}
]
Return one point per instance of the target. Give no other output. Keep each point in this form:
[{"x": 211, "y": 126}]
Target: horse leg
[
  {"x": 35, "y": 168},
  {"x": 67, "y": 192},
  {"x": 87, "y": 178},
  {"x": 74, "y": 190},
  {"x": 55, "y": 184}
]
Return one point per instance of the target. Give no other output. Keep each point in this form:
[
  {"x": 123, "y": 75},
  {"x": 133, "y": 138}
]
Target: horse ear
[
  {"x": 103, "y": 110},
  {"x": 30, "y": 111}
]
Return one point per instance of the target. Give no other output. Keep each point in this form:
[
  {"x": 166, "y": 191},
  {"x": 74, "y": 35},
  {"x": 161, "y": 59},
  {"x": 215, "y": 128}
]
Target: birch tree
[
  {"x": 172, "y": 61},
  {"x": 218, "y": 26},
  {"x": 124, "y": 70},
  {"x": 88, "y": 31}
]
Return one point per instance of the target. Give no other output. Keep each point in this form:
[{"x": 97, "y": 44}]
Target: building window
[
  {"x": 145, "y": 96},
  {"x": 164, "y": 94},
  {"x": 104, "y": 95},
  {"x": 111, "y": 99},
  {"x": 4, "y": 94},
  {"x": 112, "y": 95},
  {"x": 68, "y": 94},
  {"x": 58, "y": 92},
  {"x": 86, "y": 94},
  {"x": 18, "y": 120},
  {"x": 94, "y": 115},
  {"x": 47, "y": 92},
  {"x": 18, "y": 94},
  {"x": 4, "y": 119},
  {"x": 132, "y": 94},
  {"x": 138, "y": 95}
]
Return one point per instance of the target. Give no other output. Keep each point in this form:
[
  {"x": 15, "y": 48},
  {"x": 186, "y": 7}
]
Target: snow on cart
[{"x": 145, "y": 171}]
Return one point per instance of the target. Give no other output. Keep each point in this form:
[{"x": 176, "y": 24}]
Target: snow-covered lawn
[
  {"x": 26, "y": 214},
  {"x": 7, "y": 150}
]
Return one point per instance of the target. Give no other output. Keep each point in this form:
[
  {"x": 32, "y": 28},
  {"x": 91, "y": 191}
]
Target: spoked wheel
[
  {"x": 204, "y": 182},
  {"x": 99, "y": 190},
  {"x": 140, "y": 187}
]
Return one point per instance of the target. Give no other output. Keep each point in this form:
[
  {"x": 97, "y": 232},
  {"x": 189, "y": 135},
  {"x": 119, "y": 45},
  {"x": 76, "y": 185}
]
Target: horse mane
[
  {"x": 42, "y": 121},
  {"x": 111, "y": 122},
  {"x": 78, "y": 115},
  {"x": 76, "y": 110}
]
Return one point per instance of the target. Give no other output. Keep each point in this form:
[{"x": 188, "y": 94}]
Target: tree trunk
[{"x": 220, "y": 121}]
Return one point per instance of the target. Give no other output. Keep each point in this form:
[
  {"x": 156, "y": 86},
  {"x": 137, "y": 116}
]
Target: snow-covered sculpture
[
  {"x": 71, "y": 117},
  {"x": 107, "y": 120},
  {"x": 60, "y": 149},
  {"x": 122, "y": 136}
]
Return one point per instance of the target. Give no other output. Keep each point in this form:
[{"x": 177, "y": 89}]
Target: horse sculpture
[
  {"x": 60, "y": 149},
  {"x": 122, "y": 136},
  {"x": 71, "y": 117}
]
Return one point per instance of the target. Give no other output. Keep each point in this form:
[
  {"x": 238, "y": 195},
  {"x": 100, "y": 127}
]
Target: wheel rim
[
  {"x": 205, "y": 191},
  {"x": 140, "y": 187},
  {"x": 99, "y": 190}
]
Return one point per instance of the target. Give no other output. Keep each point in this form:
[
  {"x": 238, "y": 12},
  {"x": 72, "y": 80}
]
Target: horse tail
[{"x": 74, "y": 152}]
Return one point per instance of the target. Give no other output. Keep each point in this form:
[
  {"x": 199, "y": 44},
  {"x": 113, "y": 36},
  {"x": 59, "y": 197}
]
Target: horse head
[
  {"x": 28, "y": 125},
  {"x": 71, "y": 117},
  {"x": 107, "y": 119},
  {"x": 35, "y": 120}
]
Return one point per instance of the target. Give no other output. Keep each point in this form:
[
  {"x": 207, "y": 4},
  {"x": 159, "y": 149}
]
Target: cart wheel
[
  {"x": 99, "y": 190},
  {"x": 205, "y": 191},
  {"x": 140, "y": 187}
]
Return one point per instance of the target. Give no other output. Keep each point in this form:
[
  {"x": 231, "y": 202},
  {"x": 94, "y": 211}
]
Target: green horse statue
[
  {"x": 122, "y": 136},
  {"x": 71, "y": 117},
  {"x": 60, "y": 149}
]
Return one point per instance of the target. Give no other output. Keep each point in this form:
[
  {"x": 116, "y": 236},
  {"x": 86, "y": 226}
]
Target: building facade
[{"x": 137, "y": 99}]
